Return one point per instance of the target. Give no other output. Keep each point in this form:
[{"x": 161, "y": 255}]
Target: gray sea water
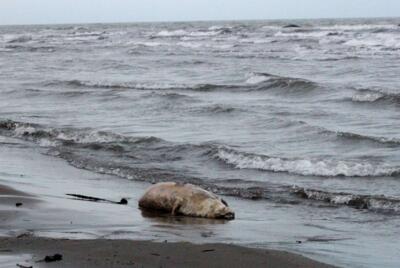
[{"x": 305, "y": 118}]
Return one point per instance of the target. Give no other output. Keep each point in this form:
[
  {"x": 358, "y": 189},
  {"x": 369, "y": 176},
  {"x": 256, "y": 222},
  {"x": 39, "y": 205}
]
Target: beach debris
[
  {"x": 55, "y": 257},
  {"x": 18, "y": 204},
  {"x": 52, "y": 258},
  {"x": 123, "y": 201},
  {"x": 208, "y": 250},
  {"x": 24, "y": 266}
]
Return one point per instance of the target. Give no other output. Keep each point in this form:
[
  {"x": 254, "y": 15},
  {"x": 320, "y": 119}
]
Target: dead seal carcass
[{"x": 185, "y": 199}]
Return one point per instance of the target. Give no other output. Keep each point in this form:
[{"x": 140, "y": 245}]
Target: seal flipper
[{"x": 175, "y": 208}]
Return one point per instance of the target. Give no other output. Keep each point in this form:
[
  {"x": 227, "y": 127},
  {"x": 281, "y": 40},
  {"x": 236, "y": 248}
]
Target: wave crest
[
  {"x": 304, "y": 167},
  {"x": 254, "y": 82},
  {"x": 375, "y": 95},
  {"x": 11, "y": 39},
  {"x": 53, "y": 137},
  {"x": 267, "y": 81},
  {"x": 374, "y": 203}
]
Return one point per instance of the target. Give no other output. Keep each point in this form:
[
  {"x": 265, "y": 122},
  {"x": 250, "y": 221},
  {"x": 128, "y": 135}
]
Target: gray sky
[{"x": 75, "y": 11}]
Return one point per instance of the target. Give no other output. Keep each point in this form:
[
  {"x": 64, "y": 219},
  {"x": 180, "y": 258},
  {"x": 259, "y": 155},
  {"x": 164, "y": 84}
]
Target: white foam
[
  {"x": 219, "y": 27},
  {"x": 271, "y": 27},
  {"x": 341, "y": 199},
  {"x": 197, "y": 45},
  {"x": 21, "y": 130},
  {"x": 192, "y": 45},
  {"x": 183, "y": 33},
  {"x": 376, "y": 41},
  {"x": 367, "y": 96},
  {"x": 172, "y": 33},
  {"x": 376, "y": 203},
  {"x": 155, "y": 86},
  {"x": 302, "y": 35},
  {"x": 257, "y": 78},
  {"x": 16, "y": 38},
  {"x": 205, "y": 33},
  {"x": 256, "y": 40},
  {"x": 358, "y": 27},
  {"x": 148, "y": 44},
  {"x": 89, "y": 137},
  {"x": 55, "y": 136},
  {"x": 140, "y": 85},
  {"x": 305, "y": 167}
]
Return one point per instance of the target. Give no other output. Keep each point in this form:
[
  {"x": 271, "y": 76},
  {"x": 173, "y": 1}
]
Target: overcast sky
[{"x": 75, "y": 11}]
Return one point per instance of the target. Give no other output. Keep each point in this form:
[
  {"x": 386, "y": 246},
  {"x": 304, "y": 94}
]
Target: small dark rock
[
  {"x": 18, "y": 204},
  {"x": 291, "y": 26},
  {"x": 208, "y": 250},
  {"x": 298, "y": 242},
  {"x": 55, "y": 257},
  {"x": 123, "y": 201}
]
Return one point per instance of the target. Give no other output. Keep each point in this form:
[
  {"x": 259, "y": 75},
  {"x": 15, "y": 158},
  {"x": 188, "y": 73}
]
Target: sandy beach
[
  {"x": 38, "y": 219},
  {"x": 28, "y": 250},
  {"x": 128, "y": 253}
]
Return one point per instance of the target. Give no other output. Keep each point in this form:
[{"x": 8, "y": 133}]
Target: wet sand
[
  {"x": 13, "y": 203},
  {"x": 122, "y": 253},
  {"x": 125, "y": 253},
  {"x": 48, "y": 221}
]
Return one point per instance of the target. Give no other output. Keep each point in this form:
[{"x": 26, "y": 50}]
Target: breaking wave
[
  {"x": 254, "y": 82},
  {"x": 267, "y": 81},
  {"x": 113, "y": 85},
  {"x": 305, "y": 167},
  {"x": 370, "y": 202},
  {"x": 382, "y": 140},
  {"x": 212, "y": 31},
  {"x": 17, "y": 38},
  {"x": 150, "y": 159},
  {"x": 350, "y": 135},
  {"x": 218, "y": 109},
  {"x": 374, "y": 95},
  {"x": 17, "y": 47},
  {"x": 53, "y": 137}
]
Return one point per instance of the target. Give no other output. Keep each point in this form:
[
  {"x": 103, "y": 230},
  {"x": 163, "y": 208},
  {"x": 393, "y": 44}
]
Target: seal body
[{"x": 185, "y": 199}]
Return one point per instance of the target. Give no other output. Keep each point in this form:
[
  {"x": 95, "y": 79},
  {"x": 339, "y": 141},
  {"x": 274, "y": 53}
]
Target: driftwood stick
[{"x": 96, "y": 199}]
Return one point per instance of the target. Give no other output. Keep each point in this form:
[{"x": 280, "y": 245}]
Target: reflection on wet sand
[{"x": 167, "y": 218}]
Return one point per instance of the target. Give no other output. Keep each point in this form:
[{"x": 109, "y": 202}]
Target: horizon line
[{"x": 191, "y": 21}]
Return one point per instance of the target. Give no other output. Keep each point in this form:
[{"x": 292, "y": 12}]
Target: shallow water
[{"x": 301, "y": 123}]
